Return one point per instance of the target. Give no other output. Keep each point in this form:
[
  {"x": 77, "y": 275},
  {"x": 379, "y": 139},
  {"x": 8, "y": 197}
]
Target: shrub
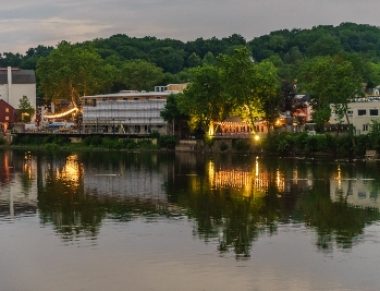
[{"x": 167, "y": 141}]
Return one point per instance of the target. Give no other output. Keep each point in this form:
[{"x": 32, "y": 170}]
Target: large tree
[
  {"x": 253, "y": 87},
  {"x": 234, "y": 86},
  {"x": 205, "y": 99},
  {"x": 70, "y": 72},
  {"x": 330, "y": 81}
]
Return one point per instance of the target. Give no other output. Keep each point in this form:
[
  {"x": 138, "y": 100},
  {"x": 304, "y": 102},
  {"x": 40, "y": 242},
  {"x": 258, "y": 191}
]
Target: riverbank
[
  {"x": 300, "y": 145},
  {"x": 55, "y": 143}
]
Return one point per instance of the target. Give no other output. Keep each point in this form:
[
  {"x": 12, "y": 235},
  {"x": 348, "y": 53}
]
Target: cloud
[{"x": 27, "y": 23}]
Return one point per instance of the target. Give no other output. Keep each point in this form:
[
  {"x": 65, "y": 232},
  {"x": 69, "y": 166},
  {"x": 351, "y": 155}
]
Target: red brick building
[{"x": 7, "y": 115}]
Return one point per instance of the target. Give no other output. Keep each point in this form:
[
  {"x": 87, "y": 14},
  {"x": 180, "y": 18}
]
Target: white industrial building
[
  {"x": 16, "y": 83},
  {"x": 362, "y": 112},
  {"x": 128, "y": 112}
]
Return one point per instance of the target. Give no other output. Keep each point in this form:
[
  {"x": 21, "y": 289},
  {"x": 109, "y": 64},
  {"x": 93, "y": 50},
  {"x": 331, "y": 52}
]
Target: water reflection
[
  {"x": 18, "y": 195},
  {"x": 232, "y": 200}
]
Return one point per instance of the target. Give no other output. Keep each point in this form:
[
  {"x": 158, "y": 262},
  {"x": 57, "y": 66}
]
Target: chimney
[{"x": 9, "y": 70}]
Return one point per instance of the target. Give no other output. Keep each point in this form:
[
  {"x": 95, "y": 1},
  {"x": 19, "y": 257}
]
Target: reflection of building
[
  {"x": 18, "y": 185},
  {"x": 127, "y": 112},
  {"x": 16, "y": 83},
  {"x": 253, "y": 182},
  {"x": 358, "y": 192},
  {"x": 140, "y": 184}
]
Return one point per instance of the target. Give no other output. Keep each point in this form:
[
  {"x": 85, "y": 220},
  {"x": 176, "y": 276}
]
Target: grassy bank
[
  {"x": 338, "y": 146},
  {"x": 54, "y": 143},
  {"x": 275, "y": 144}
]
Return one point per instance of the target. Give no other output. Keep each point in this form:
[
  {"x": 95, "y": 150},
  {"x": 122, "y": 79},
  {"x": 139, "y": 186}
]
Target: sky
[{"x": 28, "y": 23}]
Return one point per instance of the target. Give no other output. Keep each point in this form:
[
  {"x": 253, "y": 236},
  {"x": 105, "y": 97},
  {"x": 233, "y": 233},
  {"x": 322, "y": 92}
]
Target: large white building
[
  {"x": 361, "y": 114},
  {"x": 128, "y": 112},
  {"x": 16, "y": 83}
]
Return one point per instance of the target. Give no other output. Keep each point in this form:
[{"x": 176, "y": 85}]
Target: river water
[{"x": 115, "y": 221}]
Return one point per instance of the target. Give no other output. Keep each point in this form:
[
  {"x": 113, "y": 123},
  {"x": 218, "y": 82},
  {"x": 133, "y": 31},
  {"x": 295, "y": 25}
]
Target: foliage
[
  {"x": 205, "y": 100},
  {"x": 70, "y": 72},
  {"x": 329, "y": 80},
  {"x": 234, "y": 86},
  {"x": 167, "y": 141},
  {"x": 302, "y": 144},
  {"x": 26, "y": 110},
  {"x": 140, "y": 75}
]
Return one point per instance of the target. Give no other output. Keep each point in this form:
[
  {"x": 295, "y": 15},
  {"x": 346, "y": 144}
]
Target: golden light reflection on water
[
  {"x": 71, "y": 172},
  {"x": 29, "y": 168},
  {"x": 253, "y": 182}
]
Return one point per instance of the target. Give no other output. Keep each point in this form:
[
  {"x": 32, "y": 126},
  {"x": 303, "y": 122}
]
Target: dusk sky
[{"x": 27, "y": 23}]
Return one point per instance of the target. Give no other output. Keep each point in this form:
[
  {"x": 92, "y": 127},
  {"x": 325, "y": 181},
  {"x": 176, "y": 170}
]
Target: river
[{"x": 117, "y": 221}]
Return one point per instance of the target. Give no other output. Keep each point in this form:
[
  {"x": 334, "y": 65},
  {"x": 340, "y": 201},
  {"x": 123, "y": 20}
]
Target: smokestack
[{"x": 9, "y": 69}]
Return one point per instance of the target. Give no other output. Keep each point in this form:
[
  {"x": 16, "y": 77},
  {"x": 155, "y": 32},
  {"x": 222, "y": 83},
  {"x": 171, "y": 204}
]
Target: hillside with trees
[{"x": 126, "y": 62}]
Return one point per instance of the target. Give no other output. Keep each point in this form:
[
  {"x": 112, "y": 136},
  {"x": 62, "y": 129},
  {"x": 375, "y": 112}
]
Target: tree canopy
[
  {"x": 330, "y": 80},
  {"x": 69, "y": 72},
  {"x": 234, "y": 86}
]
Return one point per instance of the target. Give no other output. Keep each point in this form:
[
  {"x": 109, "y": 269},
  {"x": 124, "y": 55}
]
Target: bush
[{"x": 167, "y": 141}]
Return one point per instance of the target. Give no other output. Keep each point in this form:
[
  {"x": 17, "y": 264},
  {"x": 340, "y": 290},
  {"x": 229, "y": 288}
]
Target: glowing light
[
  {"x": 256, "y": 138},
  {"x": 279, "y": 122},
  {"x": 62, "y": 114},
  {"x": 211, "y": 129},
  {"x": 339, "y": 177},
  {"x": 71, "y": 171}
]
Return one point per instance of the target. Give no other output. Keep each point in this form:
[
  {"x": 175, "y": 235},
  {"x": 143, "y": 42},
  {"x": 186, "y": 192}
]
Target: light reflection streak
[{"x": 250, "y": 183}]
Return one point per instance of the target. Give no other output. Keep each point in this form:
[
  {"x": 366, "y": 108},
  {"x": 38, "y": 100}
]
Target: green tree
[
  {"x": 70, "y": 72},
  {"x": 330, "y": 80},
  {"x": 253, "y": 87},
  {"x": 205, "y": 100},
  {"x": 26, "y": 109},
  {"x": 193, "y": 60},
  {"x": 168, "y": 58},
  {"x": 266, "y": 88},
  {"x": 173, "y": 113},
  {"x": 140, "y": 75}
]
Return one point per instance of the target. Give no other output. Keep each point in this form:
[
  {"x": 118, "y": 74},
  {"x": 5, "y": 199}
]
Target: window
[
  {"x": 349, "y": 113},
  {"x": 7, "y": 110},
  {"x": 7, "y": 118},
  {"x": 362, "y": 112},
  {"x": 374, "y": 112},
  {"x": 365, "y": 127}
]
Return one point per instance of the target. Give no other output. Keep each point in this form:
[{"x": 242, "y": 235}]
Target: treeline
[{"x": 141, "y": 63}]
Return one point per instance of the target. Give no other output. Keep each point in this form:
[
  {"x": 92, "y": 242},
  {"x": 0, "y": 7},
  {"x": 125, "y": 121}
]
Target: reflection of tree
[
  {"x": 226, "y": 214},
  {"x": 63, "y": 201},
  {"x": 335, "y": 222},
  {"x": 72, "y": 212}
]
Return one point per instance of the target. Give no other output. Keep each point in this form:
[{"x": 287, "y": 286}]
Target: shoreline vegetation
[{"x": 293, "y": 145}]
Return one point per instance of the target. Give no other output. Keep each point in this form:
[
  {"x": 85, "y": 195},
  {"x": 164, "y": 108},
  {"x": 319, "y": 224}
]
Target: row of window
[{"x": 363, "y": 112}]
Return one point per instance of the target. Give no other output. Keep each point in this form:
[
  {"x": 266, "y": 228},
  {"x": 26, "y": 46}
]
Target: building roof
[
  {"x": 129, "y": 94},
  {"x": 6, "y": 103},
  {"x": 18, "y": 76}
]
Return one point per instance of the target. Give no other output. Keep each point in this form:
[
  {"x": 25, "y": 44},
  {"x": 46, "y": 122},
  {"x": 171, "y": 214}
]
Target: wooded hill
[{"x": 285, "y": 48}]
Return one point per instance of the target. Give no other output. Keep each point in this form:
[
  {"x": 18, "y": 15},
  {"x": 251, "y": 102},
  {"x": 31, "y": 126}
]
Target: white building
[
  {"x": 16, "y": 83},
  {"x": 361, "y": 113},
  {"x": 127, "y": 112},
  {"x": 360, "y": 192}
]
